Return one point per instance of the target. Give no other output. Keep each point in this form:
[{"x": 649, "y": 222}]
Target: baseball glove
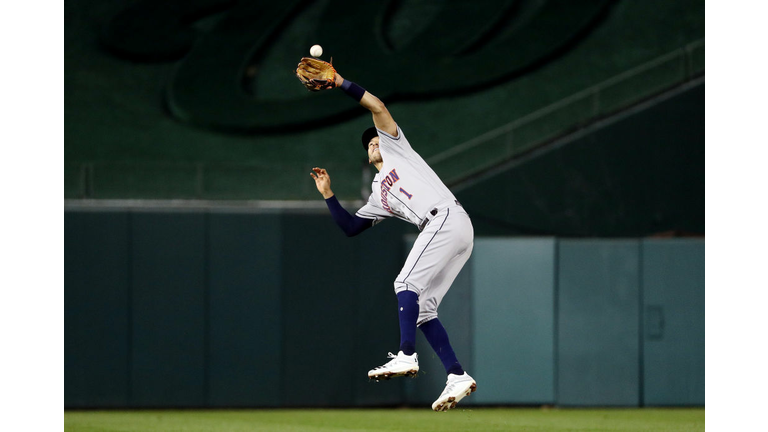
[{"x": 316, "y": 74}]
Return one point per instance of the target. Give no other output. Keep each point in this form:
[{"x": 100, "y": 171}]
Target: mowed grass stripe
[{"x": 481, "y": 419}]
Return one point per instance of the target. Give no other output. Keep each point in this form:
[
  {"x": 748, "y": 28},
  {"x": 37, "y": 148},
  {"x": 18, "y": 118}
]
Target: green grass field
[{"x": 480, "y": 419}]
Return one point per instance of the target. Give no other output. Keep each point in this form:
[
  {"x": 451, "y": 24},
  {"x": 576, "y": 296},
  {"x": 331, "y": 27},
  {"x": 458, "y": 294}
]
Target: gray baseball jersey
[{"x": 408, "y": 189}]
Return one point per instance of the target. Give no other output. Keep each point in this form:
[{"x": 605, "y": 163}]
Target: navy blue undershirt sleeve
[{"x": 352, "y": 225}]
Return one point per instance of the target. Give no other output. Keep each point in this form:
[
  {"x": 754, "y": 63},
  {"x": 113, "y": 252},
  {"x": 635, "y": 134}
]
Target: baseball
[{"x": 316, "y": 50}]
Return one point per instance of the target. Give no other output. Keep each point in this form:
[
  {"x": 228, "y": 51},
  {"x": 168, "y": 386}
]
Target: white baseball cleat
[
  {"x": 400, "y": 365},
  {"x": 456, "y": 388}
]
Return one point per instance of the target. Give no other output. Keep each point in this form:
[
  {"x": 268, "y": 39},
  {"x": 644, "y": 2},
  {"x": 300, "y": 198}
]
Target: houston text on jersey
[{"x": 387, "y": 184}]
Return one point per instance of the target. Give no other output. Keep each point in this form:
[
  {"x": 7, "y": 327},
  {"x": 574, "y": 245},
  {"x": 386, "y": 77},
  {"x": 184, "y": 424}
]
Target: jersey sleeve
[
  {"x": 397, "y": 144},
  {"x": 372, "y": 211}
]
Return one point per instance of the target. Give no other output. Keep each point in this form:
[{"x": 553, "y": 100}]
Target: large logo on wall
[{"x": 397, "y": 49}]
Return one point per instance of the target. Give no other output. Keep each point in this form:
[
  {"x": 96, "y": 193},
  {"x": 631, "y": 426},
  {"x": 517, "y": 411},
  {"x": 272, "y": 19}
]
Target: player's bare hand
[{"x": 322, "y": 181}]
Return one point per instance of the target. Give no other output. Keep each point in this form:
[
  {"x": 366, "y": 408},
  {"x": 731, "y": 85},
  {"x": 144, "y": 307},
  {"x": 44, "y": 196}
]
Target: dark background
[{"x": 197, "y": 100}]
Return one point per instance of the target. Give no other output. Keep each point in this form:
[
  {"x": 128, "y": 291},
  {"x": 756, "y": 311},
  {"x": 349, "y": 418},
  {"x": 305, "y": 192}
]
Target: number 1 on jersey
[{"x": 403, "y": 191}]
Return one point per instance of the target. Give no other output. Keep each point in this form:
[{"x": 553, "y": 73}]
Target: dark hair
[{"x": 367, "y": 136}]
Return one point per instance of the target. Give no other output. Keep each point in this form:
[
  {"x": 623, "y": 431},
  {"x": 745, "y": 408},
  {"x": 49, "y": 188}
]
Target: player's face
[{"x": 373, "y": 150}]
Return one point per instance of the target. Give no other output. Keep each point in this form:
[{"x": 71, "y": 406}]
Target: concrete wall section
[
  {"x": 598, "y": 330},
  {"x": 513, "y": 320},
  {"x": 673, "y": 342}
]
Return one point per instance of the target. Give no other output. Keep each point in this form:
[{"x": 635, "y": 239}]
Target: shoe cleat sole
[
  {"x": 388, "y": 376},
  {"x": 446, "y": 405},
  {"x": 451, "y": 402}
]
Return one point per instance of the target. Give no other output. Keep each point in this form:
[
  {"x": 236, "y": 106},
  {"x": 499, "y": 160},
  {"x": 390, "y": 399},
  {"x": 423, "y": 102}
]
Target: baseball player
[{"x": 405, "y": 188}]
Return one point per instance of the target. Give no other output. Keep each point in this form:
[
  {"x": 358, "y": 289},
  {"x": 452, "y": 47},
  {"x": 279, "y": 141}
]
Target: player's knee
[
  {"x": 425, "y": 316},
  {"x": 427, "y": 310},
  {"x": 401, "y": 286}
]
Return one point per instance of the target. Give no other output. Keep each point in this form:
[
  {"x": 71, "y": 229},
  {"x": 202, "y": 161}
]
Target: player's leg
[
  {"x": 440, "y": 262},
  {"x": 459, "y": 383},
  {"x": 445, "y": 243},
  {"x": 427, "y": 258},
  {"x": 408, "y": 313},
  {"x": 430, "y": 325},
  {"x": 406, "y": 362},
  {"x": 437, "y": 337}
]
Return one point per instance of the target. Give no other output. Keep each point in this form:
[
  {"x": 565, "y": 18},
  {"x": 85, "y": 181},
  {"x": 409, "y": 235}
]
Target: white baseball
[{"x": 316, "y": 51}]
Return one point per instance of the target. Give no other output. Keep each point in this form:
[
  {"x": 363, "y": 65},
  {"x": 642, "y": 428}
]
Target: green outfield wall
[{"x": 195, "y": 308}]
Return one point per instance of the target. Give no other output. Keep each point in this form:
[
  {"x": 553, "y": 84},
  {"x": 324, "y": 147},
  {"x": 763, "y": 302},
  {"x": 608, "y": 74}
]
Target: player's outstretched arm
[
  {"x": 317, "y": 75},
  {"x": 382, "y": 119},
  {"x": 352, "y": 225}
]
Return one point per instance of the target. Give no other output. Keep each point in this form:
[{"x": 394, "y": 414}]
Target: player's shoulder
[
  {"x": 384, "y": 135},
  {"x": 387, "y": 140}
]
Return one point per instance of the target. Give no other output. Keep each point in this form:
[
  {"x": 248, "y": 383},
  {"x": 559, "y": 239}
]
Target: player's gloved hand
[
  {"x": 316, "y": 74},
  {"x": 322, "y": 182}
]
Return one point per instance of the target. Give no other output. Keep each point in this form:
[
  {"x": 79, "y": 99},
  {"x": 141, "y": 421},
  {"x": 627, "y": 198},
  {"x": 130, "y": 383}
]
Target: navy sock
[
  {"x": 438, "y": 338},
  {"x": 408, "y": 312}
]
